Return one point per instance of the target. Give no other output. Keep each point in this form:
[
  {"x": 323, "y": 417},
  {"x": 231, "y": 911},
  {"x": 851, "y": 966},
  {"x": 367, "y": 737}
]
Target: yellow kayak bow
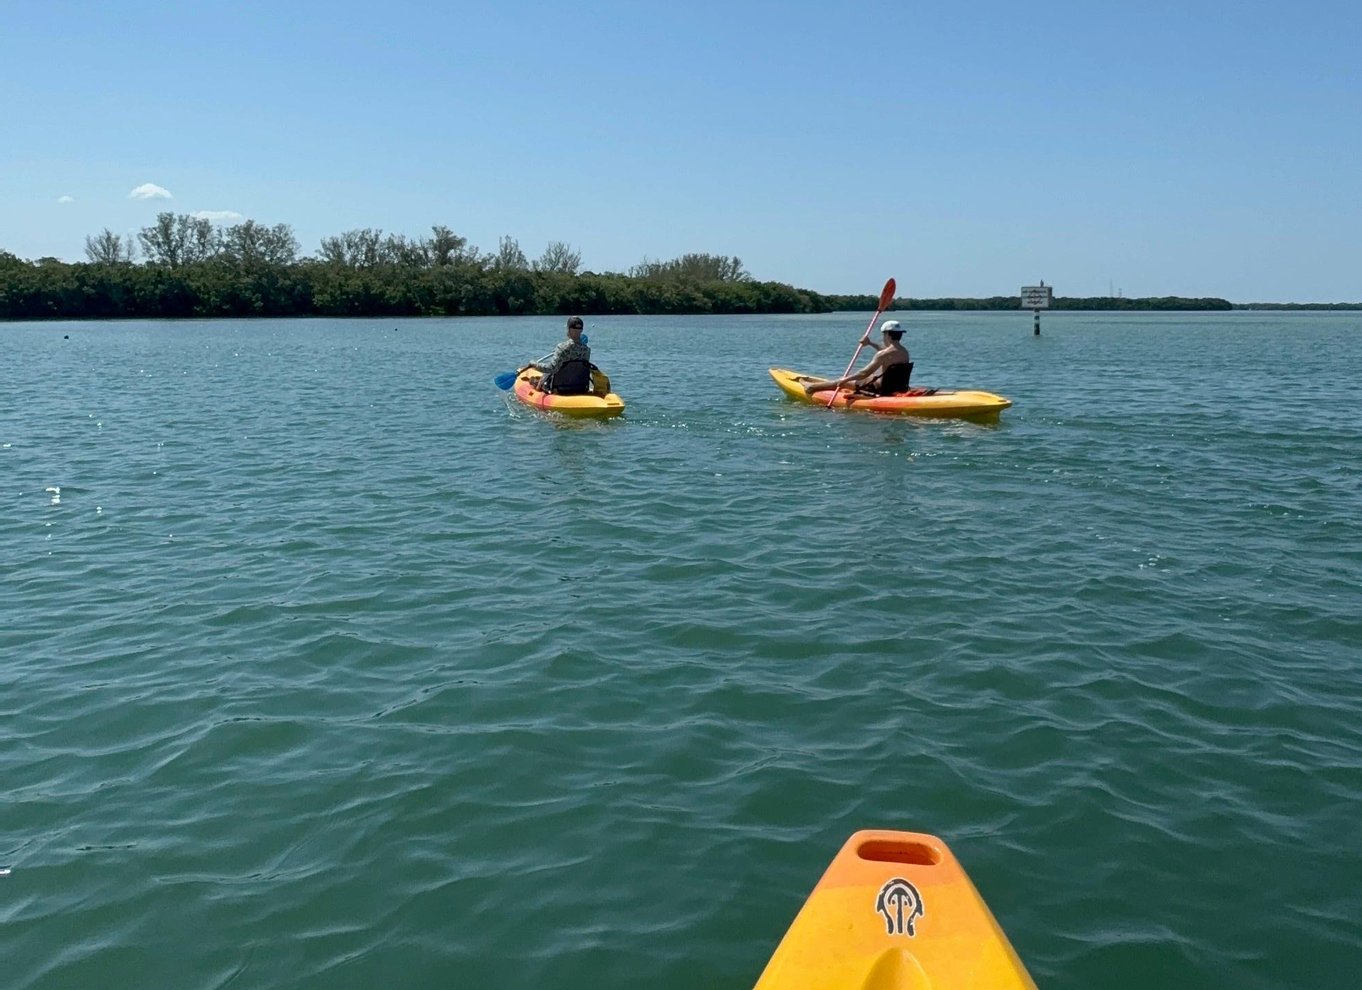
[{"x": 895, "y": 911}]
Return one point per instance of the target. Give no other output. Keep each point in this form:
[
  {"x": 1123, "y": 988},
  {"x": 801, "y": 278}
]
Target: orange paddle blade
[{"x": 887, "y": 296}]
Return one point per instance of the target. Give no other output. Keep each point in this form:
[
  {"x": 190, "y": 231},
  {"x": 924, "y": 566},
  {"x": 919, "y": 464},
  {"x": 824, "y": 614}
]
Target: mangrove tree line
[{"x": 186, "y": 266}]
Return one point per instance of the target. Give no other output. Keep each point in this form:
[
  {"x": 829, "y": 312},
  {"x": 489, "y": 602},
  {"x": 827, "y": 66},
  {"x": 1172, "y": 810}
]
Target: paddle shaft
[{"x": 886, "y": 297}]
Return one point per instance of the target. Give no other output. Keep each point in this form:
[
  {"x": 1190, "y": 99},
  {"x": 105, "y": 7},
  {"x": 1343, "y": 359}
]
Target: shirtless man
[{"x": 886, "y": 374}]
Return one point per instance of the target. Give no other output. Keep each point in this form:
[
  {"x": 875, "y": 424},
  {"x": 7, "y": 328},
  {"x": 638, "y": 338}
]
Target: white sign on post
[{"x": 1036, "y": 296}]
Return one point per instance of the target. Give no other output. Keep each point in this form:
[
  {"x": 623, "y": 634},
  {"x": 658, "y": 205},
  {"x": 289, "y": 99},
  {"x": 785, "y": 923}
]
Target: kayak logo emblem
[{"x": 901, "y": 905}]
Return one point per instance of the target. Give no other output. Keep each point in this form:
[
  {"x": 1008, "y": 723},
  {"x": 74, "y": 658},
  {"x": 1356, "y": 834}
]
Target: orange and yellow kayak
[
  {"x": 895, "y": 911},
  {"x": 949, "y": 403},
  {"x": 591, "y": 405}
]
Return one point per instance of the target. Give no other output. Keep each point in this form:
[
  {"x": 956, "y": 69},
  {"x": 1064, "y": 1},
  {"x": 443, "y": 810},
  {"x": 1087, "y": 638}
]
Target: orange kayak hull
[{"x": 588, "y": 406}]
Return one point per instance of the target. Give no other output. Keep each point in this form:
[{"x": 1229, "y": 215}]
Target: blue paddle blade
[
  {"x": 505, "y": 380},
  {"x": 583, "y": 338}
]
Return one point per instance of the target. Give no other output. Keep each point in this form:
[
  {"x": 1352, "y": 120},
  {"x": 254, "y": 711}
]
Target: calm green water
[{"x": 323, "y": 667}]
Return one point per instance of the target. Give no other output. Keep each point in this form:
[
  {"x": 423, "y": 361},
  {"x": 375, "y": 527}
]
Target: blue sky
[{"x": 1197, "y": 148}]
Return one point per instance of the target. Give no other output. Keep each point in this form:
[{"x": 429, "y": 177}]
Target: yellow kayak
[
  {"x": 950, "y": 403},
  {"x": 895, "y": 911},
  {"x": 590, "y": 405}
]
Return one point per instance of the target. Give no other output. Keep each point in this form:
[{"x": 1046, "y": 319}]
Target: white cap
[{"x": 889, "y": 325}]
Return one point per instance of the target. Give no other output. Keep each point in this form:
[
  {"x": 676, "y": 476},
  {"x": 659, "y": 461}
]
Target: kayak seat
[
  {"x": 894, "y": 379},
  {"x": 571, "y": 378}
]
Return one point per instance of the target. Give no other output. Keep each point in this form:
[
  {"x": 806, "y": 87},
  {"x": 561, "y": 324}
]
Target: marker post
[{"x": 1035, "y": 298}]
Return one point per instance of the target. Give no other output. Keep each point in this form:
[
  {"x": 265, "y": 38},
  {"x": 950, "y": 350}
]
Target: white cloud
[
  {"x": 66, "y": 199},
  {"x": 150, "y": 190},
  {"x": 217, "y": 216}
]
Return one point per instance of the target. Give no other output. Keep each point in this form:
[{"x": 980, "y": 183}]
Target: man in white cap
[{"x": 886, "y": 374}]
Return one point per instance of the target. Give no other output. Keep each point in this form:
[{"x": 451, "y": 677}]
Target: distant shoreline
[
  {"x": 1267, "y": 306},
  {"x": 219, "y": 288},
  {"x": 1083, "y": 303},
  {"x": 193, "y": 269}
]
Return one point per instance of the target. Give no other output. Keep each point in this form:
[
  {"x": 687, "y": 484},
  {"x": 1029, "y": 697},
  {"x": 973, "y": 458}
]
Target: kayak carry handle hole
[{"x": 889, "y": 851}]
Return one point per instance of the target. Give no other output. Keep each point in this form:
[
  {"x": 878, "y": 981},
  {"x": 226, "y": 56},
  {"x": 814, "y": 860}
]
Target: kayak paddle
[{"x": 886, "y": 297}]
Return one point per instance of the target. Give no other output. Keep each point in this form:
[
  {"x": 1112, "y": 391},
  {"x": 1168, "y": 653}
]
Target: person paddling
[
  {"x": 886, "y": 374},
  {"x": 567, "y": 370}
]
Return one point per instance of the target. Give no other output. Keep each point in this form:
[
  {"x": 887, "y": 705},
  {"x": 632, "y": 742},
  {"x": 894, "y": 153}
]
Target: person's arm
[
  {"x": 549, "y": 363},
  {"x": 876, "y": 364},
  {"x": 852, "y": 379}
]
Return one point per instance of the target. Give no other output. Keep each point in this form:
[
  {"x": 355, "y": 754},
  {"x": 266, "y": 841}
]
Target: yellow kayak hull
[
  {"x": 580, "y": 406},
  {"x": 895, "y": 911},
  {"x": 945, "y": 403}
]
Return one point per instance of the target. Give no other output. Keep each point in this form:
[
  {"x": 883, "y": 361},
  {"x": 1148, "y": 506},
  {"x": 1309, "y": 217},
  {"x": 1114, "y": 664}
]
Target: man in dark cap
[{"x": 567, "y": 370}]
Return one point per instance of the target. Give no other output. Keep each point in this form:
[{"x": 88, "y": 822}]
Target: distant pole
[{"x": 1035, "y": 298}]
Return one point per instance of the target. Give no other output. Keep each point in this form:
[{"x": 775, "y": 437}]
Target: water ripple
[{"x": 326, "y": 665}]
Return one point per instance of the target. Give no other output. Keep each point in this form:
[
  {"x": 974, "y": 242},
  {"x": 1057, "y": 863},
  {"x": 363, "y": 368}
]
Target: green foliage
[
  {"x": 447, "y": 248},
  {"x": 175, "y": 240},
  {"x": 1147, "y": 303},
  {"x": 559, "y": 257},
  {"x": 868, "y": 303},
  {"x": 695, "y": 268},
  {"x": 108, "y": 248},
  {"x": 194, "y": 269},
  {"x": 1309, "y": 306},
  {"x": 509, "y": 257},
  {"x": 251, "y": 243}
]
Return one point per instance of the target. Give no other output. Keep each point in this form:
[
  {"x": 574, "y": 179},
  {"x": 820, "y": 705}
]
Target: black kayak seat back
[
  {"x": 571, "y": 378},
  {"x": 895, "y": 378}
]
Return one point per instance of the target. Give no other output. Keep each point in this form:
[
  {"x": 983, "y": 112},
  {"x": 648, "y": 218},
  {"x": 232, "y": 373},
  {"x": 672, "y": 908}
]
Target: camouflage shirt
[{"x": 568, "y": 350}]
